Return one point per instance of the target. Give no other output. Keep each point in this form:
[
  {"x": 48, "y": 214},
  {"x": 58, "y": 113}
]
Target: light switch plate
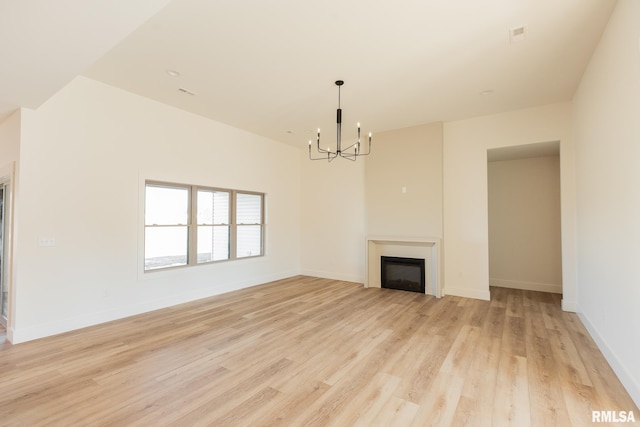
[{"x": 46, "y": 241}]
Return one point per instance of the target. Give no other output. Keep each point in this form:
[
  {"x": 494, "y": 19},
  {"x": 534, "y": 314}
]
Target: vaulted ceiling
[
  {"x": 269, "y": 66},
  {"x": 45, "y": 44}
]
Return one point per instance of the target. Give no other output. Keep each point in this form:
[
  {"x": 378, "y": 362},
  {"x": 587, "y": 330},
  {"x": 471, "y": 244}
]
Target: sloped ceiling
[
  {"x": 44, "y": 44},
  {"x": 269, "y": 66}
]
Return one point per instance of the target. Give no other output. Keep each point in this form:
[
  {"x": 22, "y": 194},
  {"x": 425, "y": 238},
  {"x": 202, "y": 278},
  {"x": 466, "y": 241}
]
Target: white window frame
[{"x": 192, "y": 225}]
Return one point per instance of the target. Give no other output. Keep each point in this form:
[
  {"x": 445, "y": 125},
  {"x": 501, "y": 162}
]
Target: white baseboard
[
  {"x": 527, "y": 286},
  {"x": 571, "y": 306},
  {"x": 10, "y": 335},
  {"x": 332, "y": 276},
  {"x": 30, "y": 333},
  {"x": 630, "y": 383},
  {"x": 467, "y": 293}
]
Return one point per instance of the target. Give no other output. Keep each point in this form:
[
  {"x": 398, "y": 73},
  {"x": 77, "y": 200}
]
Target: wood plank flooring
[{"x": 314, "y": 352}]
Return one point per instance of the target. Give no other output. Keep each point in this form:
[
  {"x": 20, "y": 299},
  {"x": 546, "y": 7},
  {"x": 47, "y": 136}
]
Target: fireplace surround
[{"x": 427, "y": 248}]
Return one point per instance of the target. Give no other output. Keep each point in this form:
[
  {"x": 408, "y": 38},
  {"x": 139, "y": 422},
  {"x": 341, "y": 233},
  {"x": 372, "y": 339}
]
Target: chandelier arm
[
  {"x": 328, "y": 157},
  {"x": 368, "y": 149},
  {"x": 345, "y": 154},
  {"x": 320, "y": 150},
  {"x": 348, "y": 157},
  {"x": 354, "y": 155},
  {"x": 359, "y": 153},
  {"x": 350, "y": 147}
]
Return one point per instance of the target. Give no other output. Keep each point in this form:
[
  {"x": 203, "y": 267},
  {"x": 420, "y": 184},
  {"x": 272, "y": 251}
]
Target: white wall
[
  {"x": 10, "y": 130},
  {"x": 466, "y": 247},
  {"x": 524, "y": 224},
  {"x": 84, "y": 157},
  {"x": 607, "y": 134},
  {"x": 409, "y": 158},
  {"x": 333, "y": 218}
]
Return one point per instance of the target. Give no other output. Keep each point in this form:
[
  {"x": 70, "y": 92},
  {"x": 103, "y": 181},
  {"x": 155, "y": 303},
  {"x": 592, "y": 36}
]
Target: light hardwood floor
[{"x": 306, "y": 351}]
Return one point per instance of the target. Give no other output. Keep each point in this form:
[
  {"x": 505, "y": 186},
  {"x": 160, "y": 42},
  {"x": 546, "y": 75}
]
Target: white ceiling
[
  {"x": 45, "y": 44},
  {"x": 269, "y": 66}
]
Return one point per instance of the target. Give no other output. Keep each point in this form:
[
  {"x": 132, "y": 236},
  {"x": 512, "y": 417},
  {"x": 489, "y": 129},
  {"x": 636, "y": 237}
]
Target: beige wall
[
  {"x": 607, "y": 134},
  {"x": 10, "y": 139},
  {"x": 466, "y": 246},
  {"x": 343, "y": 201},
  {"x": 84, "y": 156},
  {"x": 409, "y": 158},
  {"x": 524, "y": 224},
  {"x": 333, "y": 218}
]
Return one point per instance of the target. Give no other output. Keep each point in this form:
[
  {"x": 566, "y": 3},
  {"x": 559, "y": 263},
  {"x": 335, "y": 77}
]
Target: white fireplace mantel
[{"x": 410, "y": 247}]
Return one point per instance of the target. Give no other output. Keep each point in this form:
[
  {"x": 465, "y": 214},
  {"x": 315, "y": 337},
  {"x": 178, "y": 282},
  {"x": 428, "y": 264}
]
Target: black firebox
[{"x": 405, "y": 274}]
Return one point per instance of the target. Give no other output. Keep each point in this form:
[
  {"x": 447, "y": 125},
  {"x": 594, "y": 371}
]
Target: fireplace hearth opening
[{"x": 405, "y": 274}]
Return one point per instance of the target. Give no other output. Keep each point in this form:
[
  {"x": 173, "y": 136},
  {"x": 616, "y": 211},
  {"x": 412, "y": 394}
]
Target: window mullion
[
  {"x": 193, "y": 225},
  {"x": 233, "y": 227},
  {"x": 262, "y": 224}
]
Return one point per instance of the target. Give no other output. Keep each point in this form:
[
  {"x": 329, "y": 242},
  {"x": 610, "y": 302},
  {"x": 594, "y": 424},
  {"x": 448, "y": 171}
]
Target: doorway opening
[
  {"x": 5, "y": 218},
  {"x": 525, "y": 247}
]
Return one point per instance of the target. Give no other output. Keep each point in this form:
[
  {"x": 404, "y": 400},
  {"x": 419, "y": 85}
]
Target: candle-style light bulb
[
  {"x": 358, "y": 125},
  {"x": 309, "y": 143}
]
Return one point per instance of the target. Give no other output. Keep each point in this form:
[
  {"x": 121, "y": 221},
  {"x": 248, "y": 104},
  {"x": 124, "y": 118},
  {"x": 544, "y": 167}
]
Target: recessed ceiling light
[
  {"x": 173, "y": 73},
  {"x": 486, "y": 92}
]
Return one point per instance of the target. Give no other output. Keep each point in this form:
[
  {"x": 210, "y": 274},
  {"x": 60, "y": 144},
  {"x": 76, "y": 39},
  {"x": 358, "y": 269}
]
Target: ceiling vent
[
  {"x": 188, "y": 92},
  {"x": 517, "y": 34}
]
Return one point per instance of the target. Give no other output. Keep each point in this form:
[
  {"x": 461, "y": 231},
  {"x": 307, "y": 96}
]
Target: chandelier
[{"x": 351, "y": 152}]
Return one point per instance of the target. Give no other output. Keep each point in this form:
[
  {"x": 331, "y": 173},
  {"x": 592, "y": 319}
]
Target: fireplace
[
  {"x": 405, "y": 274},
  {"x": 426, "y": 248}
]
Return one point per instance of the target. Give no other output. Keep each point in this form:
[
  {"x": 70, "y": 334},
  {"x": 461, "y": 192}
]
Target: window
[
  {"x": 249, "y": 221},
  {"x": 190, "y": 225},
  {"x": 213, "y": 225},
  {"x": 166, "y": 234}
]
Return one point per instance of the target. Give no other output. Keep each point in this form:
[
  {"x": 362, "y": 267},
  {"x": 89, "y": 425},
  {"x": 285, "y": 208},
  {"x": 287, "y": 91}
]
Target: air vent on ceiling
[
  {"x": 188, "y": 92},
  {"x": 517, "y": 34}
]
